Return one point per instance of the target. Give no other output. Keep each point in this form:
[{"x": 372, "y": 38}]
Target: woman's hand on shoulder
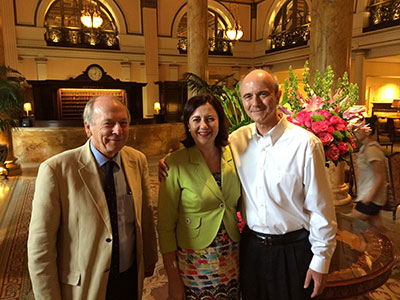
[{"x": 162, "y": 169}]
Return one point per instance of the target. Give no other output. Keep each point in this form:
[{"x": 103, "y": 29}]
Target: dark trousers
[
  {"x": 123, "y": 286},
  {"x": 274, "y": 271}
]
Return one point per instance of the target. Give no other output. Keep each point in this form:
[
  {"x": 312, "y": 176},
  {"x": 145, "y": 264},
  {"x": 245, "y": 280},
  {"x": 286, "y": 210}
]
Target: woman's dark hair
[{"x": 191, "y": 105}]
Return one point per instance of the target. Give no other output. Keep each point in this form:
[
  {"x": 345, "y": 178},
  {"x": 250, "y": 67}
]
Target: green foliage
[
  {"x": 345, "y": 95},
  {"x": 12, "y": 94},
  {"x": 229, "y": 98},
  {"x": 290, "y": 91},
  {"x": 198, "y": 85}
]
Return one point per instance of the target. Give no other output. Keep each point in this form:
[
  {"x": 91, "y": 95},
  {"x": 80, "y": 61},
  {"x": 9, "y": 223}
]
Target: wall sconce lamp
[
  {"x": 157, "y": 107},
  {"x": 27, "y": 108}
]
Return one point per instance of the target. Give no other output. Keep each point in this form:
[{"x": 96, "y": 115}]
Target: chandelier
[
  {"x": 91, "y": 16},
  {"x": 234, "y": 33}
]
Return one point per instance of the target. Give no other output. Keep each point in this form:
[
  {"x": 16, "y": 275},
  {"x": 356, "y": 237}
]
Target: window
[
  {"x": 64, "y": 27},
  {"x": 218, "y": 43},
  {"x": 291, "y": 26}
]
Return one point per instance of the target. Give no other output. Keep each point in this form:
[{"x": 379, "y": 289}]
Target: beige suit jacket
[{"x": 68, "y": 253}]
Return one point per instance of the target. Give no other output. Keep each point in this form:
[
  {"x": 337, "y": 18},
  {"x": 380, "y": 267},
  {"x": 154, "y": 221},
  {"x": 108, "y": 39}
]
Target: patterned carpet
[{"x": 14, "y": 280}]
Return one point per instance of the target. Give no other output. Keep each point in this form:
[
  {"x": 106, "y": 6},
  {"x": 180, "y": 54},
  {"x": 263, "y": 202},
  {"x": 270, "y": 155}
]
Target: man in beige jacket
[{"x": 71, "y": 238}]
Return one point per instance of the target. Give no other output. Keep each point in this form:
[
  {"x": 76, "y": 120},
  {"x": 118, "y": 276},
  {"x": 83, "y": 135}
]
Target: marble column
[
  {"x": 1, "y": 39},
  {"x": 197, "y": 38},
  {"x": 41, "y": 68},
  {"x": 330, "y": 45},
  {"x": 9, "y": 37},
  {"x": 125, "y": 71},
  {"x": 359, "y": 75},
  {"x": 8, "y": 57},
  {"x": 149, "y": 8},
  {"x": 173, "y": 73},
  {"x": 331, "y": 33}
]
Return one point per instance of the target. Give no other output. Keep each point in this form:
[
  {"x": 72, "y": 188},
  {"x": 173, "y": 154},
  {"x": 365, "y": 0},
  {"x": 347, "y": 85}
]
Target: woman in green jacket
[{"x": 197, "y": 206}]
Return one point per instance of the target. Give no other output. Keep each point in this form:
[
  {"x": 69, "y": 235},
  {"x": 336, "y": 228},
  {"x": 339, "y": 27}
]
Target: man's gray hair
[{"x": 89, "y": 110}]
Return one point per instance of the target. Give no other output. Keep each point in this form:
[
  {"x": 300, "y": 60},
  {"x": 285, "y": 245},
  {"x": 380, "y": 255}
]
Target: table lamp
[
  {"x": 27, "y": 121},
  {"x": 27, "y": 108},
  {"x": 157, "y": 107}
]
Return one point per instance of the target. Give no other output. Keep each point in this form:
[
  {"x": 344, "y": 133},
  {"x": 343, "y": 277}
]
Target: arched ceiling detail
[{"x": 112, "y": 6}]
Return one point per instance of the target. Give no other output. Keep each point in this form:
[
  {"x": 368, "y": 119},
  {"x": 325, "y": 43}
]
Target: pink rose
[
  {"x": 326, "y": 138},
  {"x": 343, "y": 148},
  {"x": 332, "y": 153},
  {"x": 304, "y": 118},
  {"x": 341, "y": 125},
  {"x": 319, "y": 126},
  {"x": 325, "y": 113},
  {"x": 331, "y": 129},
  {"x": 334, "y": 120}
]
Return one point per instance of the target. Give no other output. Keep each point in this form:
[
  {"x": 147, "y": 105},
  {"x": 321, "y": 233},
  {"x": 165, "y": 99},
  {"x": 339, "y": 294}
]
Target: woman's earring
[{"x": 189, "y": 129}]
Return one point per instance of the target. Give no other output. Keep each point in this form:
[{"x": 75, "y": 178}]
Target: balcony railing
[
  {"x": 82, "y": 38},
  {"x": 289, "y": 39},
  {"x": 216, "y": 46},
  {"x": 383, "y": 14}
]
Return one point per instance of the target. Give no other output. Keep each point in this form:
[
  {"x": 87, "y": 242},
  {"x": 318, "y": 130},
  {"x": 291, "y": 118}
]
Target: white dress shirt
[
  {"x": 366, "y": 177},
  {"x": 285, "y": 185},
  {"x": 125, "y": 208}
]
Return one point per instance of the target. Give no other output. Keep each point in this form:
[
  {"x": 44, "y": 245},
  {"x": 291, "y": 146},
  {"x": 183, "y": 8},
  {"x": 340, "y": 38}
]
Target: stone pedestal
[
  {"x": 330, "y": 39},
  {"x": 339, "y": 188}
]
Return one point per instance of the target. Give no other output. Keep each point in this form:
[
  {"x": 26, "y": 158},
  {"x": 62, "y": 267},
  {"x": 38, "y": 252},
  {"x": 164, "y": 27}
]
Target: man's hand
[
  {"x": 162, "y": 169},
  {"x": 149, "y": 270},
  {"x": 319, "y": 282}
]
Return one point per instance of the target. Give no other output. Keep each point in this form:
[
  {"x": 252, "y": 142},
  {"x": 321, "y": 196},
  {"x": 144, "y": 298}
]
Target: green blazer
[{"x": 191, "y": 205}]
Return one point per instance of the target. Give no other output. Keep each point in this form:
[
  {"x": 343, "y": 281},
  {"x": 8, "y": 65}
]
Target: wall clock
[{"x": 95, "y": 72}]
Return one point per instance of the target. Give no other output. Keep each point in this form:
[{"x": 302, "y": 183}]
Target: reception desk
[{"x": 36, "y": 144}]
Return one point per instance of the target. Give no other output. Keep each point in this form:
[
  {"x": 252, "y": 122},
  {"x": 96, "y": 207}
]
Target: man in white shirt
[{"x": 289, "y": 239}]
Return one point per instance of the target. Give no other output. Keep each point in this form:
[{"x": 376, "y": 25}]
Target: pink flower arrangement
[
  {"x": 330, "y": 128},
  {"x": 326, "y": 112}
]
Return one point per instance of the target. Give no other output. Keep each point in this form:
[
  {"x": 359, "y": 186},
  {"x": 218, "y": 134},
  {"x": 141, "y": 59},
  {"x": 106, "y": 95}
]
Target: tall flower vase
[{"x": 340, "y": 189}]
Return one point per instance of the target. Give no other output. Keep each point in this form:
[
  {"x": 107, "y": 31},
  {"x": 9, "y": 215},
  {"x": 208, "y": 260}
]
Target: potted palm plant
[
  {"x": 229, "y": 98},
  {"x": 12, "y": 95}
]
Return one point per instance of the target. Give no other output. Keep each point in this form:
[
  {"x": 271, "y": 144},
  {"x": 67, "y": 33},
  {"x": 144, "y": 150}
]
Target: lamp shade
[
  {"x": 234, "y": 33},
  {"x": 157, "y": 107},
  {"x": 27, "y": 106},
  {"x": 91, "y": 18}
]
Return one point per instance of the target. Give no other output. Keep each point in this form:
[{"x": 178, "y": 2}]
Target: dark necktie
[{"x": 109, "y": 190}]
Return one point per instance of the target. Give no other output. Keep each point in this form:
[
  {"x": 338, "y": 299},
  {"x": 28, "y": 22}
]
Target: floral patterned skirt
[{"x": 213, "y": 272}]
